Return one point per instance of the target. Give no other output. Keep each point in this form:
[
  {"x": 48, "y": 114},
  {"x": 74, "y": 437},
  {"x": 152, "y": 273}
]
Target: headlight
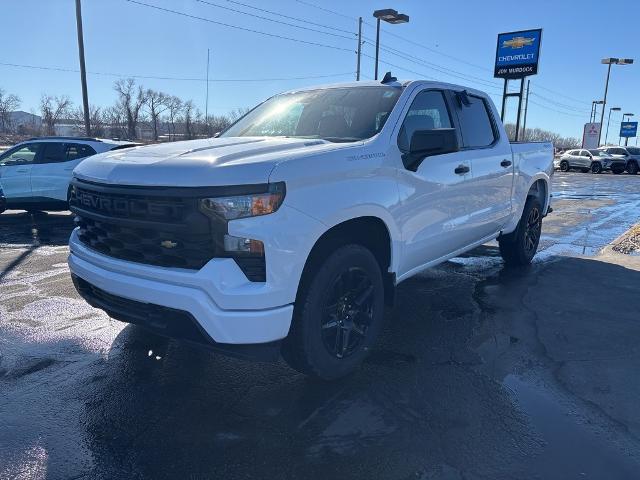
[{"x": 249, "y": 205}]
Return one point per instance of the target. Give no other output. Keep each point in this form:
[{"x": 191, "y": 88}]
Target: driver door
[{"x": 15, "y": 170}]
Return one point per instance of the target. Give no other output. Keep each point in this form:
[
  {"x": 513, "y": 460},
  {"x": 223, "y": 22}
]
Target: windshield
[{"x": 337, "y": 114}]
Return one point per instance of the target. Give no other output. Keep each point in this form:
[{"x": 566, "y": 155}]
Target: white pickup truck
[{"x": 289, "y": 232}]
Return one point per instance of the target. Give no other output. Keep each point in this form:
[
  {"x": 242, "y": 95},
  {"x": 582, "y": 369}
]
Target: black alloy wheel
[
  {"x": 532, "y": 231},
  {"x": 348, "y": 312}
]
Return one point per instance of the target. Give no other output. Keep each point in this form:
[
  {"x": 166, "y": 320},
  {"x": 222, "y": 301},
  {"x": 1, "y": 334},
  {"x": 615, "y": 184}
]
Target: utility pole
[
  {"x": 526, "y": 108},
  {"x": 206, "y": 104},
  {"x": 83, "y": 71},
  {"x": 359, "y": 48}
]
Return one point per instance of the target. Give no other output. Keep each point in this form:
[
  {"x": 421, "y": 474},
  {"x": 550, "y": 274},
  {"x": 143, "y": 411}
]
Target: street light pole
[
  {"x": 389, "y": 15},
  {"x": 609, "y": 62},
  {"x": 359, "y": 48},
  {"x": 375, "y": 76},
  {"x": 609, "y": 120},
  {"x": 83, "y": 71}
]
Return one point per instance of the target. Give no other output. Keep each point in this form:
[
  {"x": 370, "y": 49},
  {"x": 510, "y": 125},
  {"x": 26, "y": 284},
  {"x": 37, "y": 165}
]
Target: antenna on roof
[{"x": 388, "y": 78}]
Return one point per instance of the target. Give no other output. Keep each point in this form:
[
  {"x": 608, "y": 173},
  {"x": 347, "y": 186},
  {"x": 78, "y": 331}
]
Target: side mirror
[{"x": 426, "y": 143}]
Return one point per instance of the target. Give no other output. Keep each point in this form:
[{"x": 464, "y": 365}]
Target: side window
[
  {"x": 620, "y": 151},
  {"x": 427, "y": 112},
  {"x": 75, "y": 151},
  {"x": 475, "y": 123},
  {"x": 53, "y": 152},
  {"x": 584, "y": 153},
  {"x": 23, "y": 155}
]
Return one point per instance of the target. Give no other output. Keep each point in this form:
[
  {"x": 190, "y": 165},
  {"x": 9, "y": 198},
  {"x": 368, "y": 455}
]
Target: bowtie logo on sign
[{"x": 518, "y": 42}]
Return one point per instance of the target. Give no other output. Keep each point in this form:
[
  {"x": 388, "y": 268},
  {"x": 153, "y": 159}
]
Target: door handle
[
  {"x": 461, "y": 169},
  {"x": 505, "y": 163}
]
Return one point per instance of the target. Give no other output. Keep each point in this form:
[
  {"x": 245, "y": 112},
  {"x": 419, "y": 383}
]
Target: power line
[
  {"x": 185, "y": 79},
  {"x": 273, "y": 20},
  {"x": 282, "y": 37},
  {"x": 437, "y": 52},
  {"x": 333, "y": 12},
  {"x": 297, "y": 19}
]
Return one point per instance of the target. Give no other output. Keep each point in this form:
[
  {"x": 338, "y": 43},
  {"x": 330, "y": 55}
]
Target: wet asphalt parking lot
[{"x": 481, "y": 372}]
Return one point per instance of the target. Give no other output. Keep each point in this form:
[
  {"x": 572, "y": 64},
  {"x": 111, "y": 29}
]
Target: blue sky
[{"x": 449, "y": 41}]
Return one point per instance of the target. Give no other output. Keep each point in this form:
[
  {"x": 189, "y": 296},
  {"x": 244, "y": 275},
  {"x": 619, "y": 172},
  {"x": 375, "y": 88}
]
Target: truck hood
[{"x": 207, "y": 162}]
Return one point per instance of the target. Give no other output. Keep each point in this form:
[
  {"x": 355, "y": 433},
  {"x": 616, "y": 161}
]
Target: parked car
[
  {"x": 630, "y": 155},
  {"x": 35, "y": 174},
  {"x": 291, "y": 230},
  {"x": 3, "y": 201},
  {"x": 592, "y": 160}
]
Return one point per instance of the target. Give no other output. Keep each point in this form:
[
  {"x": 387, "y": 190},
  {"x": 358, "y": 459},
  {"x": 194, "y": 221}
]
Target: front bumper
[{"x": 185, "y": 291}]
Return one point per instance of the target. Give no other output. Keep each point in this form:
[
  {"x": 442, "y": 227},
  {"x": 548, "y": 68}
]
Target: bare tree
[
  {"x": 131, "y": 100},
  {"x": 96, "y": 120},
  {"x": 188, "y": 111},
  {"x": 157, "y": 104},
  {"x": 8, "y": 103},
  {"x": 174, "y": 108},
  {"x": 115, "y": 121},
  {"x": 52, "y": 109}
]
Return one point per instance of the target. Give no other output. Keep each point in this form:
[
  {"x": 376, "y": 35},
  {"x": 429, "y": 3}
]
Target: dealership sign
[
  {"x": 628, "y": 129},
  {"x": 591, "y": 135},
  {"x": 517, "y": 54}
]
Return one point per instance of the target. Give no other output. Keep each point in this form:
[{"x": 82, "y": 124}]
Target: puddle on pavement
[{"x": 571, "y": 449}]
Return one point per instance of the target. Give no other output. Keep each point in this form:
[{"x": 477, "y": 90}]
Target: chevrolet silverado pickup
[{"x": 289, "y": 232}]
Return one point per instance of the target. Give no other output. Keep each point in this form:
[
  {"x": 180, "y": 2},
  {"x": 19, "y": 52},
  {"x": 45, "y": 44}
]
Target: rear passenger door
[
  {"x": 51, "y": 174},
  {"x": 491, "y": 159}
]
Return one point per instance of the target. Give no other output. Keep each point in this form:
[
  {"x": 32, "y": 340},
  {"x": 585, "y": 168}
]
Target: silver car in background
[{"x": 594, "y": 161}]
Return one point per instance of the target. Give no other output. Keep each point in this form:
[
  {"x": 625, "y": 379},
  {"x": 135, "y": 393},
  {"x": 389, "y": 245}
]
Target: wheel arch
[{"x": 371, "y": 232}]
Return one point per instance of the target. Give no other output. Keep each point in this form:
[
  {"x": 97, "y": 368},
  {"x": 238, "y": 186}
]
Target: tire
[
  {"x": 564, "y": 166},
  {"x": 519, "y": 247},
  {"x": 338, "y": 314},
  {"x": 596, "y": 167},
  {"x": 632, "y": 168}
]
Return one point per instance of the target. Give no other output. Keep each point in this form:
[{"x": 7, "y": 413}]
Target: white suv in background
[{"x": 35, "y": 174}]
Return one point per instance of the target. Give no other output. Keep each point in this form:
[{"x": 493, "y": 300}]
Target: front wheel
[
  {"x": 596, "y": 167},
  {"x": 564, "y": 166},
  {"x": 519, "y": 247},
  {"x": 337, "y": 316},
  {"x": 632, "y": 168}
]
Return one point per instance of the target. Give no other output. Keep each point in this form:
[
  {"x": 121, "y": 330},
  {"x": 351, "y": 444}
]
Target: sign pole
[
  {"x": 519, "y": 108},
  {"x": 504, "y": 99},
  {"x": 526, "y": 108}
]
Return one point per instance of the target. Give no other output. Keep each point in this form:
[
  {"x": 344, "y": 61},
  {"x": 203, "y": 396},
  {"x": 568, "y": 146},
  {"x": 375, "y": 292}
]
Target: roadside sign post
[
  {"x": 517, "y": 55},
  {"x": 591, "y": 135},
  {"x": 628, "y": 130}
]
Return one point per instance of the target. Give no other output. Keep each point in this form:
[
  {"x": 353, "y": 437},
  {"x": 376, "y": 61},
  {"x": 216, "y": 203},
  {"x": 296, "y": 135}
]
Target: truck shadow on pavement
[{"x": 437, "y": 399}]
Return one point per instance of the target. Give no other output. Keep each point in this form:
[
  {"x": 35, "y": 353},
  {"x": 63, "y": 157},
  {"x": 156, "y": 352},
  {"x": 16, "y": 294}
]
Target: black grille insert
[{"x": 154, "y": 229}]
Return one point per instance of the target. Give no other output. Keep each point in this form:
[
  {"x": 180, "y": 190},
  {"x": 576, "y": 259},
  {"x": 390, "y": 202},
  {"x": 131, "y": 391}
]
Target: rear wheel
[
  {"x": 632, "y": 168},
  {"x": 596, "y": 167},
  {"x": 519, "y": 247},
  {"x": 564, "y": 166},
  {"x": 338, "y": 314}
]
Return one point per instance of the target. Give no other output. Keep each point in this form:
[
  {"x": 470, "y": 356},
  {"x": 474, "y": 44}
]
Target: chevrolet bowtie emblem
[
  {"x": 168, "y": 244},
  {"x": 517, "y": 42}
]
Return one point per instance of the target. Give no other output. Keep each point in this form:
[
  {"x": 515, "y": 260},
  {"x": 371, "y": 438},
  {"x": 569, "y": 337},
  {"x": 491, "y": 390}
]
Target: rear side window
[
  {"x": 76, "y": 151},
  {"x": 427, "y": 112},
  {"x": 53, "y": 152},
  {"x": 475, "y": 123}
]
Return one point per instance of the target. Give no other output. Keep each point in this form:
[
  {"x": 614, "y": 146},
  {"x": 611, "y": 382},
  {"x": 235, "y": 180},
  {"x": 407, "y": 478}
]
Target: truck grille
[{"x": 150, "y": 226}]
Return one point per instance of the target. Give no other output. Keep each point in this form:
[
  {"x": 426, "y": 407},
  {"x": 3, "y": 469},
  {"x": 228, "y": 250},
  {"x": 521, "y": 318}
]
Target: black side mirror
[{"x": 426, "y": 143}]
